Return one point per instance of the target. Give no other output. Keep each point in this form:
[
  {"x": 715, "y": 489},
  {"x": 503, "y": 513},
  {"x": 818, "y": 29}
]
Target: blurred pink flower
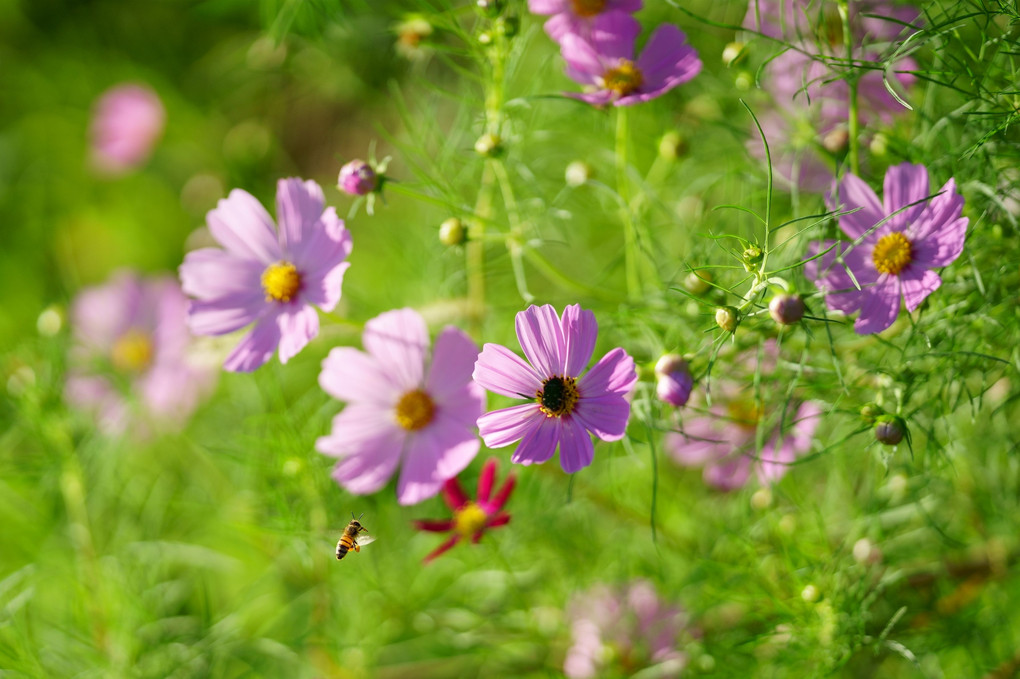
[
  {"x": 606, "y": 63},
  {"x": 724, "y": 439},
  {"x": 576, "y": 16},
  {"x": 470, "y": 519},
  {"x": 127, "y": 122},
  {"x": 872, "y": 21},
  {"x": 401, "y": 409},
  {"x": 894, "y": 248},
  {"x": 131, "y": 347},
  {"x": 625, "y": 630},
  {"x": 267, "y": 278},
  {"x": 563, "y": 407}
]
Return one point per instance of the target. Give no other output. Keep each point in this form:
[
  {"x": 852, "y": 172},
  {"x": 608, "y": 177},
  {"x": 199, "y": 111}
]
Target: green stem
[
  {"x": 854, "y": 151},
  {"x": 515, "y": 240},
  {"x": 474, "y": 251},
  {"x": 630, "y": 243}
]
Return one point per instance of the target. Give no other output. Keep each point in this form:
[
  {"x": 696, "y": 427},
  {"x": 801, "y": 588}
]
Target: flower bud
[
  {"x": 786, "y": 309},
  {"x": 733, "y": 53},
  {"x": 452, "y": 232},
  {"x": 489, "y": 145},
  {"x": 491, "y": 8},
  {"x": 675, "y": 380},
  {"x": 836, "y": 140},
  {"x": 726, "y": 318},
  {"x": 672, "y": 145},
  {"x": 879, "y": 146},
  {"x": 890, "y": 429},
  {"x": 698, "y": 282},
  {"x": 870, "y": 412},
  {"x": 752, "y": 254},
  {"x": 357, "y": 178},
  {"x": 578, "y": 173}
]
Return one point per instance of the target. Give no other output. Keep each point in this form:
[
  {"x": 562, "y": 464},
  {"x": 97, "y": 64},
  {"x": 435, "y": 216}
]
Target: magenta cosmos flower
[
  {"x": 606, "y": 63},
  {"x": 624, "y": 631},
  {"x": 896, "y": 244},
  {"x": 724, "y": 438},
  {"x": 563, "y": 407},
  {"x": 132, "y": 356},
  {"x": 267, "y": 278},
  {"x": 127, "y": 122},
  {"x": 400, "y": 409},
  {"x": 470, "y": 519},
  {"x": 577, "y": 16}
]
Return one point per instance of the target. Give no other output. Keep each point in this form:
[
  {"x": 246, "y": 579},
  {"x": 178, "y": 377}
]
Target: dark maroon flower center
[
  {"x": 558, "y": 396},
  {"x": 624, "y": 79},
  {"x": 588, "y": 8}
]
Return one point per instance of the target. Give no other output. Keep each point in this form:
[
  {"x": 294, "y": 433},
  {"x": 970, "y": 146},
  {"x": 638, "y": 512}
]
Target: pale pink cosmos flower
[
  {"x": 625, "y": 630},
  {"x": 577, "y": 16},
  {"x": 895, "y": 245},
  {"x": 402, "y": 409},
  {"x": 564, "y": 405},
  {"x": 606, "y": 64},
  {"x": 127, "y": 122},
  {"x": 267, "y": 278},
  {"x": 724, "y": 438},
  {"x": 132, "y": 362}
]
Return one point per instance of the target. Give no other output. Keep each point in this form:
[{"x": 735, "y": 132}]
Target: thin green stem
[
  {"x": 854, "y": 150},
  {"x": 630, "y": 241},
  {"x": 515, "y": 239}
]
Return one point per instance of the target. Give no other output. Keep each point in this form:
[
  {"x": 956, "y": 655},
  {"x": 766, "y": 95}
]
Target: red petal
[
  {"x": 442, "y": 548},
  {"x": 499, "y": 520},
  {"x": 434, "y": 525},
  {"x": 485, "y": 480},
  {"x": 504, "y": 493},
  {"x": 454, "y": 495}
]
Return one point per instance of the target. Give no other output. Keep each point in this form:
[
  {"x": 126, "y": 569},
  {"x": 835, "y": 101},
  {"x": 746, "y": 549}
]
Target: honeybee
[{"x": 349, "y": 539}]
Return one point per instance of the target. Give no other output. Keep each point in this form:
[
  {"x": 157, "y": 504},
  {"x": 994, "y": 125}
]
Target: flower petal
[
  {"x": 242, "y": 226},
  {"x": 298, "y": 325},
  {"x": 453, "y": 361},
  {"x": 541, "y": 338},
  {"x": 605, "y": 416},
  {"x": 369, "y": 446},
  {"x": 434, "y": 455},
  {"x": 101, "y": 314},
  {"x": 580, "y": 329},
  {"x": 325, "y": 244},
  {"x": 700, "y": 443},
  {"x": 548, "y": 6},
  {"x": 584, "y": 64},
  {"x": 730, "y": 474},
  {"x": 613, "y": 35},
  {"x": 667, "y": 56},
  {"x": 905, "y": 184},
  {"x": 485, "y": 481},
  {"x": 212, "y": 273},
  {"x": 256, "y": 347},
  {"x": 399, "y": 340},
  {"x": 917, "y": 284},
  {"x": 613, "y": 374},
  {"x": 434, "y": 525},
  {"x": 502, "y": 427},
  {"x": 880, "y": 308},
  {"x": 298, "y": 207},
  {"x": 454, "y": 495},
  {"x": 806, "y": 421},
  {"x": 538, "y": 444},
  {"x": 576, "y": 448},
  {"x": 352, "y": 375},
  {"x": 854, "y": 193},
  {"x": 503, "y": 372},
  {"x": 443, "y": 548},
  {"x": 324, "y": 290},
  {"x": 227, "y": 314},
  {"x": 501, "y": 497},
  {"x": 775, "y": 460}
]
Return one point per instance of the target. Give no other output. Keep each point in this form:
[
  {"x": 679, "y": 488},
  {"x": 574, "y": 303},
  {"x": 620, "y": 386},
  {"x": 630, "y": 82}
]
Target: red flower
[{"x": 470, "y": 519}]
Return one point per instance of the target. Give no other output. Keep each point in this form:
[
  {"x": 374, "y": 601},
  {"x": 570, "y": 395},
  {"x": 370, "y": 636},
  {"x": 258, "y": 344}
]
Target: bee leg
[{"x": 357, "y": 547}]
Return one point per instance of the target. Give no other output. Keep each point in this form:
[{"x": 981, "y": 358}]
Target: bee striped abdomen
[{"x": 343, "y": 546}]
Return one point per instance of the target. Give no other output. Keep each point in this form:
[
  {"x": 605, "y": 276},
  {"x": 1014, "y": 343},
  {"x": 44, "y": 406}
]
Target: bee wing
[{"x": 365, "y": 539}]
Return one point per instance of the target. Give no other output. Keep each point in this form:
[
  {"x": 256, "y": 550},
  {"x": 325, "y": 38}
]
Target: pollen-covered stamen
[
  {"x": 558, "y": 396},
  {"x": 281, "y": 282},
  {"x": 744, "y": 414},
  {"x": 469, "y": 520},
  {"x": 415, "y": 410},
  {"x": 588, "y": 8},
  {"x": 892, "y": 253},
  {"x": 132, "y": 352},
  {"x": 624, "y": 79}
]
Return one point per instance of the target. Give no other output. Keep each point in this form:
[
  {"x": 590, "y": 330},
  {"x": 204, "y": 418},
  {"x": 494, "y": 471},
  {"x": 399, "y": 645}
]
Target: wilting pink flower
[
  {"x": 470, "y": 519},
  {"x": 563, "y": 407},
  {"x": 606, "y": 63},
  {"x": 577, "y": 16},
  {"x": 267, "y": 278},
  {"x": 724, "y": 439},
  {"x": 896, "y": 244},
  {"x": 624, "y": 630},
  {"x": 127, "y": 122},
  {"x": 401, "y": 410},
  {"x": 132, "y": 349}
]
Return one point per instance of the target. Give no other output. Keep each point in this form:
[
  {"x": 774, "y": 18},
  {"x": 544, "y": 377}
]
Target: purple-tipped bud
[
  {"x": 675, "y": 380},
  {"x": 890, "y": 429},
  {"x": 357, "y": 178},
  {"x": 786, "y": 309}
]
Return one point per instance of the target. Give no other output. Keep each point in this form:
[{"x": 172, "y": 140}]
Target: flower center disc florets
[
  {"x": 132, "y": 352},
  {"x": 469, "y": 520},
  {"x": 281, "y": 281},
  {"x": 892, "y": 253},
  {"x": 744, "y": 413},
  {"x": 588, "y": 8},
  {"x": 558, "y": 396},
  {"x": 415, "y": 410},
  {"x": 623, "y": 79}
]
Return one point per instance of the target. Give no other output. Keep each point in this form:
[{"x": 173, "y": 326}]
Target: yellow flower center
[
  {"x": 469, "y": 520},
  {"x": 892, "y": 253},
  {"x": 132, "y": 352},
  {"x": 588, "y": 8},
  {"x": 624, "y": 79},
  {"x": 281, "y": 281},
  {"x": 558, "y": 396},
  {"x": 744, "y": 414},
  {"x": 415, "y": 410}
]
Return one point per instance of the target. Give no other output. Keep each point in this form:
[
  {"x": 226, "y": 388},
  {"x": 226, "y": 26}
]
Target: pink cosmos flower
[
  {"x": 724, "y": 439},
  {"x": 127, "y": 122},
  {"x": 470, "y": 519},
  {"x": 267, "y": 278},
  {"x": 400, "y": 409},
  {"x": 896, "y": 244},
  {"x": 563, "y": 407},
  {"x": 131, "y": 347},
  {"x": 623, "y": 631},
  {"x": 871, "y": 21},
  {"x": 606, "y": 62},
  {"x": 576, "y": 16}
]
